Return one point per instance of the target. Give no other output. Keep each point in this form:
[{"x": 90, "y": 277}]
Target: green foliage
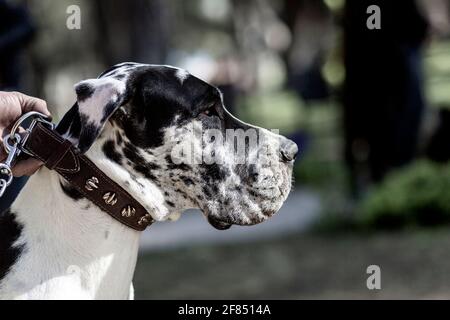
[
  {"x": 281, "y": 110},
  {"x": 416, "y": 195},
  {"x": 321, "y": 174},
  {"x": 437, "y": 74}
]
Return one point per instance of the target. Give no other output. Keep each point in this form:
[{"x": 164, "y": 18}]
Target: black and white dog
[{"x": 55, "y": 244}]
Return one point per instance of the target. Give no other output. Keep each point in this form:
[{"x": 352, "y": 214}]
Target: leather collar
[{"x": 60, "y": 155}]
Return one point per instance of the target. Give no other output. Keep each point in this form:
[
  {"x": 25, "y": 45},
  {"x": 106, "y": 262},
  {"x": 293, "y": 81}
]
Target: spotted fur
[{"x": 129, "y": 121}]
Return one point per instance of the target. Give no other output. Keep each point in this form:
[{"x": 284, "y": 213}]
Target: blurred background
[{"x": 369, "y": 109}]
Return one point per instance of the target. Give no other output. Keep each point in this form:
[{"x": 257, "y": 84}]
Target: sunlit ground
[{"x": 414, "y": 264}]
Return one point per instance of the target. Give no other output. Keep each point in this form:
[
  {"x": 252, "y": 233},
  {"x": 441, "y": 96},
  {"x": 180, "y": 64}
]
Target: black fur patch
[
  {"x": 153, "y": 166},
  {"x": 206, "y": 192},
  {"x": 214, "y": 172},
  {"x": 78, "y": 125},
  {"x": 10, "y": 231},
  {"x": 119, "y": 138},
  {"x": 71, "y": 122},
  {"x": 71, "y": 192},
  {"x": 109, "y": 148},
  {"x": 157, "y": 98},
  {"x": 145, "y": 171},
  {"x": 132, "y": 153},
  {"x": 139, "y": 163},
  {"x": 181, "y": 192},
  {"x": 171, "y": 165},
  {"x": 119, "y": 76},
  {"x": 84, "y": 91},
  {"x": 187, "y": 181},
  {"x": 110, "y": 108},
  {"x": 88, "y": 135},
  {"x": 170, "y": 203}
]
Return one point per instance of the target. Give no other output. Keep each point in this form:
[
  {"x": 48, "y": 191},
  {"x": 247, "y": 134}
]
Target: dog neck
[{"x": 70, "y": 248}]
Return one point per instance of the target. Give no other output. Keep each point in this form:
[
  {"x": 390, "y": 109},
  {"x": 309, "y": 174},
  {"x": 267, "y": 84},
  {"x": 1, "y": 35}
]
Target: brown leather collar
[{"x": 60, "y": 155}]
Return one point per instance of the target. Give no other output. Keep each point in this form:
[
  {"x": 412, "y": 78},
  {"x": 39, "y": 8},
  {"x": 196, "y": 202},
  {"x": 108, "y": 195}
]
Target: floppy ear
[{"x": 97, "y": 100}]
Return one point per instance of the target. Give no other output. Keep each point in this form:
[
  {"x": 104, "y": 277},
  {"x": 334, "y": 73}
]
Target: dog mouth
[
  {"x": 225, "y": 222},
  {"x": 219, "y": 224},
  {"x": 260, "y": 203}
]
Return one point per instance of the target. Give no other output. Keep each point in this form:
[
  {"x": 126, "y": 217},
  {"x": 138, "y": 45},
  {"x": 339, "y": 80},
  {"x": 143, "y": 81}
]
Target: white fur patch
[
  {"x": 60, "y": 260},
  {"x": 106, "y": 90},
  {"x": 182, "y": 75}
]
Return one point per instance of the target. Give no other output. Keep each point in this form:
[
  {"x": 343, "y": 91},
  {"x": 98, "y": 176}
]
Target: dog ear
[{"x": 97, "y": 100}]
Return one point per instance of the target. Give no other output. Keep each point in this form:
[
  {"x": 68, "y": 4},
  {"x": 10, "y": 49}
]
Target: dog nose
[{"x": 288, "y": 150}]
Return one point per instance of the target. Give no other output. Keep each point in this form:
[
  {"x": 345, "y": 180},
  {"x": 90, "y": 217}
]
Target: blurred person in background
[
  {"x": 16, "y": 31},
  {"x": 438, "y": 147},
  {"x": 311, "y": 25},
  {"x": 383, "y": 99}
]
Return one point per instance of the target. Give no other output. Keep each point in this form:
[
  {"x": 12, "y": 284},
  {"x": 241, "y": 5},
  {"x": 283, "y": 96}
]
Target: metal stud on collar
[
  {"x": 145, "y": 219},
  {"x": 128, "y": 211},
  {"x": 91, "y": 184},
  {"x": 110, "y": 198}
]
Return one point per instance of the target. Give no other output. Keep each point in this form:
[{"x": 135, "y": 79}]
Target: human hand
[{"x": 12, "y": 106}]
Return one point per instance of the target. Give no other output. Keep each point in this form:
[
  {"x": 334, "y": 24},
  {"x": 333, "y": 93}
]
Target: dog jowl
[{"x": 177, "y": 147}]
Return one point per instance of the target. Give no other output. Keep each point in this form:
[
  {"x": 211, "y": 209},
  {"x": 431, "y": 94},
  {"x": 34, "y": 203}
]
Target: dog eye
[{"x": 211, "y": 111}]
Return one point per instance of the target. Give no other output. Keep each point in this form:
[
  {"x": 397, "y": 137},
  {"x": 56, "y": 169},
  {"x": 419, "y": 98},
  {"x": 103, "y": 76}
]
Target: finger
[
  {"x": 3, "y": 154},
  {"x": 32, "y": 104},
  {"x": 26, "y": 167}
]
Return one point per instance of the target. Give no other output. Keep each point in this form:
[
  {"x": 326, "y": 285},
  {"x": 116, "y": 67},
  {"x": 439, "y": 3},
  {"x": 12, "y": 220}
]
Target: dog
[{"x": 130, "y": 121}]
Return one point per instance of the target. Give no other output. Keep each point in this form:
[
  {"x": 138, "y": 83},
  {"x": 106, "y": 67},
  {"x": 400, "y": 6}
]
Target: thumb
[{"x": 3, "y": 154}]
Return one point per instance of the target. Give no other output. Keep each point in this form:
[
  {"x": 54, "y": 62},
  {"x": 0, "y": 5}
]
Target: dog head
[{"x": 169, "y": 140}]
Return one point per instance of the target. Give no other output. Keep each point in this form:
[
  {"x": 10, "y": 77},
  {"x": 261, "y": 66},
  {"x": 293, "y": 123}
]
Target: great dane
[{"x": 143, "y": 125}]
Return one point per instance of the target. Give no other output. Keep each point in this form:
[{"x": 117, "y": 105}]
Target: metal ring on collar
[
  {"x": 6, "y": 170},
  {"x": 12, "y": 137}
]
